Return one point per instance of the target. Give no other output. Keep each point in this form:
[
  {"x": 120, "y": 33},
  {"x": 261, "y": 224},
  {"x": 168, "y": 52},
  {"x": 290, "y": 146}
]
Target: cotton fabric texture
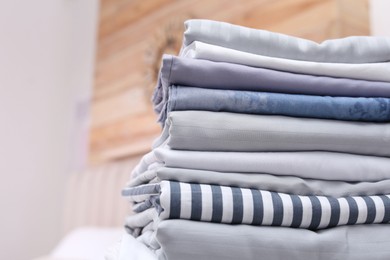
[
  {"x": 360, "y": 49},
  {"x": 311, "y": 165},
  {"x": 184, "y": 239},
  {"x": 271, "y": 146},
  {"x": 182, "y": 98},
  {"x": 364, "y": 71},
  {"x": 227, "y": 76},
  {"x": 211, "y": 131},
  {"x": 233, "y": 205},
  {"x": 264, "y": 181}
]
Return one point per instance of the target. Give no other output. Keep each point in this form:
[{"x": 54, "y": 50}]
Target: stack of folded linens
[{"x": 273, "y": 147}]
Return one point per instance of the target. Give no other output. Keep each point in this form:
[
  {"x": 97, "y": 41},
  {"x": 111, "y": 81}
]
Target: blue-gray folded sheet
[
  {"x": 265, "y": 103},
  {"x": 221, "y": 75}
]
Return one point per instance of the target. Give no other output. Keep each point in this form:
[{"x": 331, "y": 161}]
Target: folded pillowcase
[{"x": 357, "y": 49}]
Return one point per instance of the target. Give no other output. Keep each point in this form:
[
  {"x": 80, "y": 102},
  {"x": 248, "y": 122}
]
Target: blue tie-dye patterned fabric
[{"x": 250, "y": 102}]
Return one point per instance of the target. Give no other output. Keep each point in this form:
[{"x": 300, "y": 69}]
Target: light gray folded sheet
[
  {"x": 191, "y": 240},
  {"x": 221, "y": 131},
  {"x": 309, "y": 165},
  {"x": 285, "y": 184},
  {"x": 357, "y": 49}
]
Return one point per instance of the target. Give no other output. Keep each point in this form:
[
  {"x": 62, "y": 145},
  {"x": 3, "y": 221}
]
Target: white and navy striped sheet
[
  {"x": 222, "y": 204},
  {"x": 257, "y": 207}
]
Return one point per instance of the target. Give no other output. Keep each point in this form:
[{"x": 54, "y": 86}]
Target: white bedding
[
  {"x": 130, "y": 249},
  {"x": 364, "y": 71},
  {"x": 87, "y": 243}
]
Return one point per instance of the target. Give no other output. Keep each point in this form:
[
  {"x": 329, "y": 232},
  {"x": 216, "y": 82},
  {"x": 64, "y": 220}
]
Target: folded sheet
[
  {"x": 310, "y": 165},
  {"x": 221, "y": 75},
  {"x": 364, "y": 71},
  {"x": 221, "y": 131},
  {"x": 358, "y": 49},
  {"x": 183, "y": 239},
  {"x": 233, "y": 205},
  {"x": 262, "y": 181},
  {"x": 264, "y": 103}
]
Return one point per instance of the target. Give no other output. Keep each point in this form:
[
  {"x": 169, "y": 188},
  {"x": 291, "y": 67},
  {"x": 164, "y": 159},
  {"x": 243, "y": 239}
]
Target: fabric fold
[
  {"x": 365, "y": 71},
  {"x": 222, "y": 131},
  {"x": 234, "y": 205},
  {"x": 183, "y": 98},
  {"x": 357, "y": 49},
  {"x": 310, "y": 165},
  {"x": 221, "y": 75},
  {"x": 184, "y": 239},
  {"x": 263, "y": 181}
]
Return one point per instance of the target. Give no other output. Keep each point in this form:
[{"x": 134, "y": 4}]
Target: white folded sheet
[
  {"x": 365, "y": 71},
  {"x": 356, "y": 49}
]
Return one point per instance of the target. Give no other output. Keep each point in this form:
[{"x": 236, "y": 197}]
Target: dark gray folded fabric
[
  {"x": 183, "y": 239},
  {"x": 220, "y": 131},
  {"x": 264, "y": 103},
  {"x": 358, "y": 49},
  {"x": 220, "y": 75}
]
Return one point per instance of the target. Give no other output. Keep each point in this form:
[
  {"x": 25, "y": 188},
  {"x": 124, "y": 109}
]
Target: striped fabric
[{"x": 223, "y": 204}]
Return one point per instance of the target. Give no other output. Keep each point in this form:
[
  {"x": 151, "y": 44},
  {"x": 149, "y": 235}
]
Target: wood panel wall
[{"x": 134, "y": 33}]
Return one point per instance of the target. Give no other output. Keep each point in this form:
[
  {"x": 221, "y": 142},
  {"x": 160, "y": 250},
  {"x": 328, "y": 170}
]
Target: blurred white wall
[
  {"x": 46, "y": 66},
  {"x": 380, "y": 17}
]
